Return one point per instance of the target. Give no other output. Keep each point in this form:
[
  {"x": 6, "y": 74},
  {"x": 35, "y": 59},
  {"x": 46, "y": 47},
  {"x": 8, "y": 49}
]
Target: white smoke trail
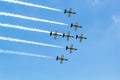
[
  {"x": 23, "y": 53},
  {"x": 28, "y": 42},
  {"x": 32, "y": 5},
  {"x": 30, "y": 18},
  {"x": 23, "y": 28}
]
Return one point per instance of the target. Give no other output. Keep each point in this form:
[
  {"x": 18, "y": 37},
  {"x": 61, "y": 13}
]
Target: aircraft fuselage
[
  {"x": 55, "y": 34},
  {"x": 81, "y": 37},
  {"x": 68, "y": 36},
  {"x": 69, "y": 12},
  {"x": 61, "y": 58},
  {"x": 72, "y": 48}
]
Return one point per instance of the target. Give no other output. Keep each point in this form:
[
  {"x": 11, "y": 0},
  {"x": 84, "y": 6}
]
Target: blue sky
[{"x": 97, "y": 58}]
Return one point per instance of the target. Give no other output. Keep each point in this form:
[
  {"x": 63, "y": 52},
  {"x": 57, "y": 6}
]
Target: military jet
[
  {"x": 75, "y": 26},
  {"x": 81, "y": 37},
  {"x": 67, "y": 35},
  {"x": 55, "y": 34},
  {"x": 61, "y": 59},
  {"x": 69, "y": 12},
  {"x": 70, "y": 48}
]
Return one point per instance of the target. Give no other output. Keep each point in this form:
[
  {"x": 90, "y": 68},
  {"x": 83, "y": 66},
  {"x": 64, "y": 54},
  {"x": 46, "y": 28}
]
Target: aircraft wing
[
  {"x": 71, "y": 46},
  {"x": 56, "y": 31},
  {"x": 61, "y": 61},
  {"x": 70, "y": 51},
  {"x": 67, "y": 38},
  {"x": 81, "y": 35},
  {"x": 70, "y": 9},
  {"x": 55, "y": 36},
  {"x": 76, "y": 23},
  {"x": 81, "y": 39},
  {"x": 69, "y": 14},
  {"x": 75, "y": 28},
  {"x": 68, "y": 33},
  {"x": 62, "y": 56}
]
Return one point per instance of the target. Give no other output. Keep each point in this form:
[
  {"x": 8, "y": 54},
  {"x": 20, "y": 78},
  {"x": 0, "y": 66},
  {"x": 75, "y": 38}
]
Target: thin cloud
[
  {"x": 96, "y": 1},
  {"x": 116, "y": 19},
  {"x": 116, "y": 26},
  {"x": 93, "y": 2}
]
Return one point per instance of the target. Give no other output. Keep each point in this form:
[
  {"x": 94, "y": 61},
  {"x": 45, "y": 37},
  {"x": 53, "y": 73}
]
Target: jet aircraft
[
  {"x": 70, "y": 48},
  {"x": 69, "y": 12},
  {"x": 61, "y": 59},
  {"x": 75, "y": 26},
  {"x": 67, "y": 35},
  {"x": 81, "y": 37},
  {"x": 55, "y": 34}
]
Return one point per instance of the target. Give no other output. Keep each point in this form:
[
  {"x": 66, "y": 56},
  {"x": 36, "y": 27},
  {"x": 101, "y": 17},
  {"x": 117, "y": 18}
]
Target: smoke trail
[
  {"x": 22, "y": 53},
  {"x": 30, "y": 18},
  {"x": 28, "y": 42},
  {"x": 32, "y": 5},
  {"x": 23, "y": 28}
]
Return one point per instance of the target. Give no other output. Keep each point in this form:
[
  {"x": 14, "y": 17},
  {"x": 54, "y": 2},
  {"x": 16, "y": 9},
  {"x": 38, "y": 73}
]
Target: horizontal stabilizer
[
  {"x": 66, "y": 59},
  {"x": 74, "y": 13},
  {"x": 80, "y": 26},
  {"x": 75, "y": 49},
  {"x": 85, "y": 38}
]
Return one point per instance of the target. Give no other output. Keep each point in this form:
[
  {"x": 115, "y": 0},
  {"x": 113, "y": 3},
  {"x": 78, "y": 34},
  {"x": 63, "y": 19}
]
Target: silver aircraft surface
[
  {"x": 75, "y": 26},
  {"x": 69, "y": 12},
  {"x": 61, "y": 59},
  {"x": 81, "y": 37},
  {"x": 67, "y": 35},
  {"x": 55, "y": 34},
  {"x": 70, "y": 48}
]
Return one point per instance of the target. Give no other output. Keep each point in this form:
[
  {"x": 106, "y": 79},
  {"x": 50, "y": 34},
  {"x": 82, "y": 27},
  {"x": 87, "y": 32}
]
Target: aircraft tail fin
[
  {"x": 65, "y": 11},
  {"x": 57, "y": 58},
  {"x": 66, "y": 47},
  {"x": 50, "y": 33}
]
